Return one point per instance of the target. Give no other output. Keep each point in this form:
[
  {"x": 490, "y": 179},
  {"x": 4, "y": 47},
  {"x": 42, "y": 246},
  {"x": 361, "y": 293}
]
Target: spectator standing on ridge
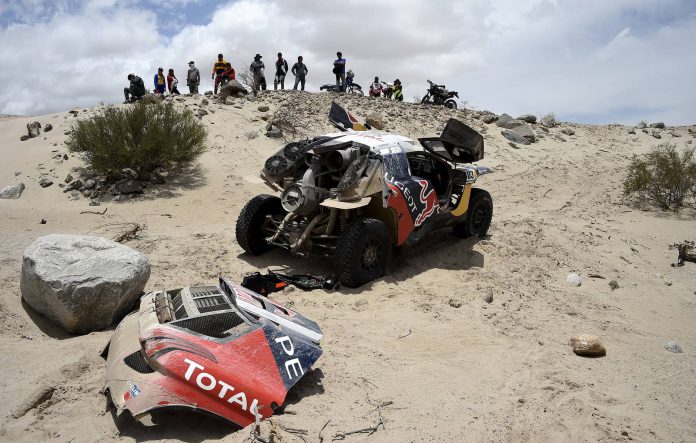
[
  {"x": 281, "y": 70},
  {"x": 160, "y": 82},
  {"x": 172, "y": 82},
  {"x": 228, "y": 74},
  {"x": 299, "y": 70},
  {"x": 135, "y": 90},
  {"x": 340, "y": 70},
  {"x": 193, "y": 78},
  {"x": 218, "y": 69},
  {"x": 398, "y": 93},
  {"x": 257, "y": 69}
]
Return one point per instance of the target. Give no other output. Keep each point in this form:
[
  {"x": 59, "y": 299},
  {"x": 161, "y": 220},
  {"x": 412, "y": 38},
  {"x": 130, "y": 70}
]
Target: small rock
[
  {"x": 90, "y": 183},
  {"x": 45, "y": 182},
  {"x": 375, "y": 120},
  {"x": 67, "y": 132},
  {"x": 43, "y": 221},
  {"x": 157, "y": 178},
  {"x": 263, "y": 108},
  {"x": 75, "y": 184},
  {"x": 672, "y": 346},
  {"x": 202, "y": 112},
  {"x": 24, "y": 138},
  {"x": 573, "y": 279},
  {"x": 251, "y": 135},
  {"x": 631, "y": 131},
  {"x": 454, "y": 303},
  {"x": 614, "y": 285},
  {"x": 75, "y": 111},
  {"x": 65, "y": 156},
  {"x": 94, "y": 203},
  {"x": 624, "y": 433},
  {"x": 488, "y": 298},
  {"x": 274, "y": 133},
  {"x": 68, "y": 178},
  {"x": 656, "y": 134},
  {"x": 34, "y": 129},
  {"x": 675, "y": 134},
  {"x": 507, "y": 122},
  {"x": 48, "y": 127},
  {"x": 548, "y": 120},
  {"x": 514, "y": 137},
  {"x": 128, "y": 186},
  {"x": 587, "y": 345},
  {"x": 658, "y": 125},
  {"x": 12, "y": 192},
  {"x": 204, "y": 102},
  {"x": 641, "y": 125},
  {"x": 568, "y": 131},
  {"x": 489, "y": 118},
  {"x": 513, "y": 146},
  {"x": 528, "y": 118}
]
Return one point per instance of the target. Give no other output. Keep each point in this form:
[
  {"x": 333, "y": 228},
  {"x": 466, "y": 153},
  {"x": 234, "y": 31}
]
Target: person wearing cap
[
  {"x": 340, "y": 70},
  {"x": 160, "y": 82},
  {"x": 299, "y": 70},
  {"x": 398, "y": 93},
  {"x": 281, "y": 70},
  {"x": 218, "y": 68},
  {"x": 193, "y": 78},
  {"x": 257, "y": 69},
  {"x": 135, "y": 90}
]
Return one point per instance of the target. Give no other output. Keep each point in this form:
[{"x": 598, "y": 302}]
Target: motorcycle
[
  {"x": 350, "y": 87},
  {"x": 375, "y": 89},
  {"x": 439, "y": 95},
  {"x": 388, "y": 90}
]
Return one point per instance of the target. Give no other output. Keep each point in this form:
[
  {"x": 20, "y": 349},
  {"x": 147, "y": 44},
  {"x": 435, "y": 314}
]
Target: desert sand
[{"x": 419, "y": 349}]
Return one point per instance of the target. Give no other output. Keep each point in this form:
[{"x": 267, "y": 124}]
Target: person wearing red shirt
[{"x": 172, "y": 83}]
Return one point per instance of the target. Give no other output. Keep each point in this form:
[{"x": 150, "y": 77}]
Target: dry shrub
[
  {"x": 142, "y": 137},
  {"x": 294, "y": 121},
  {"x": 663, "y": 177}
]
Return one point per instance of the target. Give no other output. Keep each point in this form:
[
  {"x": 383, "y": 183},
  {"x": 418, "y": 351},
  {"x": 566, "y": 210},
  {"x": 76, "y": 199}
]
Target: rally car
[{"x": 355, "y": 195}]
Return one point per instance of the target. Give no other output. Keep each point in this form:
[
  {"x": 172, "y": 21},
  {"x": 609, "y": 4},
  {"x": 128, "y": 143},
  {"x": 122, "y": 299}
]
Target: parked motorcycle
[
  {"x": 388, "y": 90},
  {"x": 351, "y": 88},
  {"x": 439, "y": 95}
]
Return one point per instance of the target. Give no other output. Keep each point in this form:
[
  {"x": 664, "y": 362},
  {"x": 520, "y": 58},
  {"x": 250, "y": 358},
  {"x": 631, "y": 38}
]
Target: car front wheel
[
  {"x": 362, "y": 252},
  {"x": 478, "y": 215},
  {"x": 254, "y": 224}
]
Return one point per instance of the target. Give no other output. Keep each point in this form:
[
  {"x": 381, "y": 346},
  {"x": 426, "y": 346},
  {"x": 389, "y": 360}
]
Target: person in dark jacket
[
  {"x": 160, "y": 82},
  {"x": 193, "y": 78},
  {"x": 135, "y": 90},
  {"x": 257, "y": 69},
  {"x": 340, "y": 70},
  {"x": 281, "y": 70},
  {"x": 300, "y": 71},
  {"x": 172, "y": 83}
]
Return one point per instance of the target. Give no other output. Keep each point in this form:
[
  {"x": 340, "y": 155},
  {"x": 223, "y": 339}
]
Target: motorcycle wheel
[
  {"x": 450, "y": 104},
  {"x": 356, "y": 91},
  {"x": 425, "y": 100}
]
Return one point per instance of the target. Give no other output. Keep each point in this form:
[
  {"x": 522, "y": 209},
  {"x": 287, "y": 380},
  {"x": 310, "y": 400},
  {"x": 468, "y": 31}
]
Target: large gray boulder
[
  {"x": 34, "y": 129},
  {"x": 232, "y": 89},
  {"x": 549, "y": 120},
  {"x": 514, "y": 137},
  {"x": 12, "y": 192},
  {"x": 506, "y": 121},
  {"x": 82, "y": 283}
]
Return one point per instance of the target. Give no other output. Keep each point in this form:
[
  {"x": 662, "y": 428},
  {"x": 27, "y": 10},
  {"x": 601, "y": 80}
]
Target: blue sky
[{"x": 588, "y": 61}]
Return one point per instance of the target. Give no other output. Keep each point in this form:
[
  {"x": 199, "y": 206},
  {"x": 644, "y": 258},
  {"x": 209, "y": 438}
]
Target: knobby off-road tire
[
  {"x": 362, "y": 252},
  {"x": 249, "y": 230},
  {"x": 478, "y": 215},
  {"x": 450, "y": 104}
]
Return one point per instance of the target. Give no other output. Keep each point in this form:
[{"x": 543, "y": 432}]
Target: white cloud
[{"x": 594, "y": 60}]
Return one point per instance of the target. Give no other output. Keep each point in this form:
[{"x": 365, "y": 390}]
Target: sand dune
[{"x": 478, "y": 372}]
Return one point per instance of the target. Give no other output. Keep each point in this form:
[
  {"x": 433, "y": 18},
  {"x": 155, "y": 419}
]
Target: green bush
[
  {"x": 142, "y": 137},
  {"x": 663, "y": 177}
]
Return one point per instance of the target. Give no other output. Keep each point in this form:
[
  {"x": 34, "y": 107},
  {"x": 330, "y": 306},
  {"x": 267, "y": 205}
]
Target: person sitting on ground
[
  {"x": 160, "y": 82},
  {"x": 172, "y": 83},
  {"x": 300, "y": 71},
  {"x": 228, "y": 74},
  {"x": 135, "y": 90},
  {"x": 340, "y": 70},
  {"x": 398, "y": 93},
  {"x": 218, "y": 69},
  {"x": 257, "y": 69},
  {"x": 281, "y": 70},
  {"x": 376, "y": 88},
  {"x": 193, "y": 78}
]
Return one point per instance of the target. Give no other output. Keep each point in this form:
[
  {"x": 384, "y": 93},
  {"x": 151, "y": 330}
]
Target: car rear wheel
[
  {"x": 450, "y": 104},
  {"x": 478, "y": 215},
  {"x": 362, "y": 252},
  {"x": 254, "y": 224}
]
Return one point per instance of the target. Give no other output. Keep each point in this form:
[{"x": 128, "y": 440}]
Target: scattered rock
[
  {"x": 48, "y": 127},
  {"x": 264, "y": 108},
  {"x": 528, "y": 118},
  {"x": 67, "y": 132},
  {"x": 24, "y": 138},
  {"x": 204, "y": 102},
  {"x": 274, "y": 133},
  {"x": 202, "y": 112},
  {"x": 631, "y": 131},
  {"x": 43, "y": 221},
  {"x": 488, "y": 298},
  {"x": 251, "y": 135},
  {"x": 12, "y": 192},
  {"x": 489, "y": 118},
  {"x": 75, "y": 184},
  {"x": 375, "y": 120},
  {"x": 514, "y": 137},
  {"x": 82, "y": 283},
  {"x": 68, "y": 178},
  {"x": 94, "y": 203},
  {"x": 614, "y": 285},
  {"x": 90, "y": 184},
  {"x": 506, "y": 121},
  {"x": 513, "y": 145},
  {"x": 45, "y": 182},
  {"x": 658, "y": 125},
  {"x": 157, "y": 178},
  {"x": 128, "y": 186},
  {"x": 75, "y": 111},
  {"x": 559, "y": 138},
  {"x": 674, "y": 134},
  {"x": 574, "y": 279},
  {"x": 229, "y": 101},
  {"x": 641, "y": 125},
  {"x": 454, "y": 303},
  {"x": 568, "y": 131},
  {"x": 549, "y": 120},
  {"x": 656, "y": 134},
  {"x": 587, "y": 345},
  {"x": 672, "y": 346},
  {"x": 34, "y": 129}
]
